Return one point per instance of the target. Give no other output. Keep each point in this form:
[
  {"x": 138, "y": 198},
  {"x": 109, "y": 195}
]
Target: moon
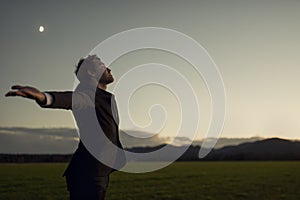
[{"x": 41, "y": 29}]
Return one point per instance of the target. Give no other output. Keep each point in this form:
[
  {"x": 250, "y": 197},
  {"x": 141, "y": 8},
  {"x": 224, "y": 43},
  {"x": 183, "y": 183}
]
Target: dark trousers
[{"x": 87, "y": 188}]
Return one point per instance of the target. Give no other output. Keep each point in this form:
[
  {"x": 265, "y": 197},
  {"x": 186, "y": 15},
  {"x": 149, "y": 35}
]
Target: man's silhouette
[{"x": 86, "y": 177}]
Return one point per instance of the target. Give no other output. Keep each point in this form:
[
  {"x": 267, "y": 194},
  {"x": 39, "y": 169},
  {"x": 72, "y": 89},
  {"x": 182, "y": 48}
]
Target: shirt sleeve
[{"x": 49, "y": 99}]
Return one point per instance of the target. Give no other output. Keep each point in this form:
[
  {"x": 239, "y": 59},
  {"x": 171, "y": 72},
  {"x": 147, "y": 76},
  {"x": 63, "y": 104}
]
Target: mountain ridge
[{"x": 267, "y": 149}]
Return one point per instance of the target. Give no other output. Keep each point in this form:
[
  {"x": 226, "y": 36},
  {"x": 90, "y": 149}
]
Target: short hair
[
  {"x": 77, "y": 67},
  {"x": 85, "y": 64}
]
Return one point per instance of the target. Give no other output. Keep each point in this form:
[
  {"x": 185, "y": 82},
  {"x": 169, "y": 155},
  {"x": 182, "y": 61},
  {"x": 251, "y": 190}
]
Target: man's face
[
  {"x": 106, "y": 77},
  {"x": 97, "y": 67}
]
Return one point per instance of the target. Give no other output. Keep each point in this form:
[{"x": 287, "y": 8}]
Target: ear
[{"x": 91, "y": 73}]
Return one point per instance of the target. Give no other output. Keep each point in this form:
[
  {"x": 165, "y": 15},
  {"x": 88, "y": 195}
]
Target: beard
[{"x": 106, "y": 79}]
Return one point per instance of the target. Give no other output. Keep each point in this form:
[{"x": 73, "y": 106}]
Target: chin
[
  {"x": 109, "y": 80},
  {"x": 112, "y": 80}
]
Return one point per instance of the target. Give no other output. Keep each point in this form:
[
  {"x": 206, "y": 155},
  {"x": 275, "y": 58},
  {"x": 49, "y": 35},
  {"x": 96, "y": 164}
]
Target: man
[{"x": 86, "y": 177}]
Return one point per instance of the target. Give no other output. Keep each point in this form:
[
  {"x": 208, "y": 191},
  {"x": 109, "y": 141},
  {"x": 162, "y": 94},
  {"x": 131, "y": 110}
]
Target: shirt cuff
[{"x": 49, "y": 99}]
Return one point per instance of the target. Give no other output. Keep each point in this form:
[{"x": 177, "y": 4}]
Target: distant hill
[
  {"x": 34, "y": 158},
  {"x": 223, "y": 142},
  {"x": 268, "y": 149}
]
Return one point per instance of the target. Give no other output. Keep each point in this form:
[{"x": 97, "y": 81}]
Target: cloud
[
  {"x": 131, "y": 138},
  {"x": 59, "y": 132},
  {"x": 60, "y": 140},
  {"x": 37, "y": 140}
]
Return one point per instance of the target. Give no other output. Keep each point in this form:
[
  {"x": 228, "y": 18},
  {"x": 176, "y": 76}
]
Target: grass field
[{"x": 181, "y": 180}]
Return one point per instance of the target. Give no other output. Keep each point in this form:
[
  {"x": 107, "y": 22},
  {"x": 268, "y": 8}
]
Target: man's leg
[
  {"x": 93, "y": 195},
  {"x": 91, "y": 189}
]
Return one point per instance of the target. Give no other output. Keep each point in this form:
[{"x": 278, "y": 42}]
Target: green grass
[{"x": 181, "y": 180}]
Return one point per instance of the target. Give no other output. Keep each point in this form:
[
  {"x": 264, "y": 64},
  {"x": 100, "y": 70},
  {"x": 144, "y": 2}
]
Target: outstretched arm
[{"x": 59, "y": 100}]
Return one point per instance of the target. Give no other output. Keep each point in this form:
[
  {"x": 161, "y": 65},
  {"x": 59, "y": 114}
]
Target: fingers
[
  {"x": 19, "y": 91},
  {"x": 21, "y": 94},
  {"x": 17, "y": 87},
  {"x": 15, "y": 93},
  {"x": 10, "y": 94}
]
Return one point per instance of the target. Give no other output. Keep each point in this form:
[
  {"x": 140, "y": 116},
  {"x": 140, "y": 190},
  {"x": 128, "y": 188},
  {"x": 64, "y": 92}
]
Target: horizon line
[{"x": 124, "y": 130}]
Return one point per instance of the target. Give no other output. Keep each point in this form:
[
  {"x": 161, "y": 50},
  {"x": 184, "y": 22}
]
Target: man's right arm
[
  {"x": 56, "y": 100},
  {"x": 59, "y": 100}
]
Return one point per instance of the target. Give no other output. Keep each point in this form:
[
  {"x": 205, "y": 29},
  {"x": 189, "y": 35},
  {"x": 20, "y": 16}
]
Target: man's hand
[{"x": 27, "y": 92}]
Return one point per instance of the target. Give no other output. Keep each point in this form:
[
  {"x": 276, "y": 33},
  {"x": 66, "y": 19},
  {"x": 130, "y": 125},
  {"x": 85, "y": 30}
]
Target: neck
[{"x": 102, "y": 86}]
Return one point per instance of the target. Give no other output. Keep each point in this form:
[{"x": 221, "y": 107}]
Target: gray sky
[{"x": 254, "y": 43}]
